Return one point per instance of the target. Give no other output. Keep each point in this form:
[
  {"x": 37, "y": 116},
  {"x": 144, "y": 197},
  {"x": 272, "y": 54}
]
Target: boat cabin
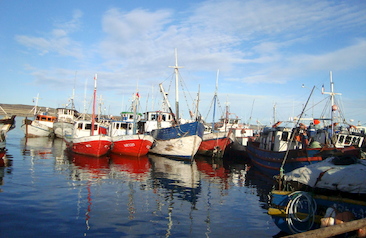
[
  {"x": 119, "y": 128},
  {"x": 155, "y": 120},
  {"x": 278, "y": 139},
  {"x": 130, "y": 116},
  {"x": 66, "y": 115},
  {"x": 46, "y": 118},
  {"x": 83, "y": 128}
]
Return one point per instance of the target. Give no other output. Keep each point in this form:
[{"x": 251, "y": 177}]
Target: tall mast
[
  {"x": 334, "y": 107},
  {"x": 94, "y": 99},
  {"x": 135, "y": 103},
  {"x": 36, "y": 105},
  {"x": 215, "y": 98},
  {"x": 176, "y": 71}
]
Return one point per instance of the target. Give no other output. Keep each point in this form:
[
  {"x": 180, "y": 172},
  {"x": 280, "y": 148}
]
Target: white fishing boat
[
  {"x": 41, "y": 125},
  {"x": 89, "y": 137},
  {"x": 7, "y": 123},
  {"x": 66, "y": 116},
  {"x": 181, "y": 139}
]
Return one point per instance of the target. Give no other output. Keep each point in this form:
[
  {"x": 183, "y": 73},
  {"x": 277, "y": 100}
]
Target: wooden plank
[{"x": 332, "y": 230}]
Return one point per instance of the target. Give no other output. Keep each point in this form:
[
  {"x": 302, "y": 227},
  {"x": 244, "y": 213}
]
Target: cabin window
[
  {"x": 88, "y": 126},
  {"x": 341, "y": 138},
  {"x": 131, "y": 116},
  {"x": 80, "y": 126},
  {"x": 284, "y": 136},
  {"x": 348, "y": 140},
  {"x": 356, "y": 141}
]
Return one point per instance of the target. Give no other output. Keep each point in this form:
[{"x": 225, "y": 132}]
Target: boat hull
[
  {"x": 180, "y": 141},
  {"x": 132, "y": 145},
  {"x": 97, "y": 145},
  {"x": 270, "y": 162},
  {"x": 36, "y": 129},
  {"x": 214, "y": 144}
]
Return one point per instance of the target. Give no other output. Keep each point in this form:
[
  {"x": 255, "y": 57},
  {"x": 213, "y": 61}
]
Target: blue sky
[{"x": 267, "y": 53}]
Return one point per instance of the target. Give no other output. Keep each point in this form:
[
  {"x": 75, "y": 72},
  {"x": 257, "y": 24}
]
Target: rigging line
[
  {"x": 183, "y": 86},
  {"x": 293, "y": 135},
  {"x": 210, "y": 108}
]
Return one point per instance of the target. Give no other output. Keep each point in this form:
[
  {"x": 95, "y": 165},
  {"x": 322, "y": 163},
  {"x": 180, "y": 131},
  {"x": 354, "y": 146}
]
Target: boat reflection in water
[
  {"x": 5, "y": 164},
  {"x": 132, "y": 167},
  {"x": 88, "y": 167},
  {"x": 37, "y": 147},
  {"x": 178, "y": 176}
]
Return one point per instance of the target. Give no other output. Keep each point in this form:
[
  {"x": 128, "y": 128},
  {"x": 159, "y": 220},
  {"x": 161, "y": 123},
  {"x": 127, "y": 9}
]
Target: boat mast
[
  {"x": 167, "y": 102},
  {"x": 215, "y": 98},
  {"x": 176, "y": 67},
  {"x": 135, "y": 103},
  {"x": 334, "y": 107},
  {"x": 36, "y": 105},
  {"x": 94, "y": 98}
]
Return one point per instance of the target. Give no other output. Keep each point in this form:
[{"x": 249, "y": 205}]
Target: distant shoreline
[{"x": 22, "y": 110}]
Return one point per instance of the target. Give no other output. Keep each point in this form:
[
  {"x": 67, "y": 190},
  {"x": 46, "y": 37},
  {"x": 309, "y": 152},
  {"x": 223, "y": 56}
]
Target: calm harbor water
[{"x": 48, "y": 192}]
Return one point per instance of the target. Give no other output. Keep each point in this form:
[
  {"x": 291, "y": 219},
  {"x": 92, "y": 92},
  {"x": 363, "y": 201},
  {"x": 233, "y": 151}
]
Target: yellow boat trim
[
  {"x": 282, "y": 213},
  {"x": 334, "y": 199}
]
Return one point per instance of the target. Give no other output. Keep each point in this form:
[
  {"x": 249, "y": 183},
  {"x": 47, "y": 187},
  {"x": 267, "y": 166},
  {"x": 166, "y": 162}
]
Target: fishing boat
[
  {"x": 182, "y": 139},
  {"x": 65, "y": 119},
  {"x": 327, "y": 193},
  {"x": 238, "y": 132},
  {"x": 41, "y": 125},
  {"x": 89, "y": 137},
  {"x": 6, "y": 124},
  {"x": 125, "y": 136},
  {"x": 214, "y": 142},
  {"x": 282, "y": 149}
]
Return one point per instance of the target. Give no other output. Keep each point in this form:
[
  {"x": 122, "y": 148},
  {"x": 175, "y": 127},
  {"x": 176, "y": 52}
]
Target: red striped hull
[
  {"x": 212, "y": 146},
  {"x": 95, "y": 148},
  {"x": 132, "y": 145}
]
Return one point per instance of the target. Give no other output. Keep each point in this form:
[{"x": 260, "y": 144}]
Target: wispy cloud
[{"x": 57, "y": 40}]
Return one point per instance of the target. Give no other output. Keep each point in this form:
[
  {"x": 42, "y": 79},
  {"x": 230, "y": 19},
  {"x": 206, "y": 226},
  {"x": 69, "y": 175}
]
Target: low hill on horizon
[{"x": 22, "y": 110}]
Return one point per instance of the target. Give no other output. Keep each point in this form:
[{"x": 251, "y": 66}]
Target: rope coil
[{"x": 297, "y": 200}]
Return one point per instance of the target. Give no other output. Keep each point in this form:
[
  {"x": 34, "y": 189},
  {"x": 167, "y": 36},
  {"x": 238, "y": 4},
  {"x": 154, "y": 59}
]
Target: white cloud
[
  {"x": 251, "y": 42},
  {"x": 57, "y": 41}
]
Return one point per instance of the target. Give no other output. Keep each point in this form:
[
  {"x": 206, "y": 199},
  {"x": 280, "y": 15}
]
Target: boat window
[
  {"x": 124, "y": 126},
  {"x": 80, "y": 126},
  {"x": 341, "y": 138},
  {"x": 348, "y": 140},
  {"x": 284, "y": 136},
  {"x": 95, "y": 127},
  {"x": 116, "y": 125},
  {"x": 87, "y": 126},
  {"x": 355, "y": 141}
]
